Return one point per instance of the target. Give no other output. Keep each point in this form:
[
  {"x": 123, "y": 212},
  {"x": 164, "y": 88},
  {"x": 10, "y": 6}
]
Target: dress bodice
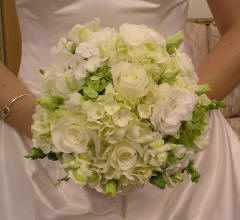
[{"x": 43, "y": 22}]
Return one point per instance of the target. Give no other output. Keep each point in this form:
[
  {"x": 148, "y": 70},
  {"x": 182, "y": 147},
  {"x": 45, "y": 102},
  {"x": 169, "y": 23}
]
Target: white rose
[
  {"x": 124, "y": 155},
  {"x": 88, "y": 49},
  {"x": 70, "y": 136},
  {"x": 168, "y": 114},
  {"x": 136, "y": 35},
  {"x": 130, "y": 80}
]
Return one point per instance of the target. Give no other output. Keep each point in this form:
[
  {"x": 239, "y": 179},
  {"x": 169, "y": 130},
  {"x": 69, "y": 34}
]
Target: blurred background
[{"x": 199, "y": 9}]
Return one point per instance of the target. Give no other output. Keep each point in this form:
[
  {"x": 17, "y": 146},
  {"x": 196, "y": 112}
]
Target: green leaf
[
  {"x": 171, "y": 157},
  {"x": 37, "y": 153},
  {"x": 193, "y": 172},
  {"x": 52, "y": 156},
  {"x": 95, "y": 78},
  {"x": 158, "y": 181},
  {"x": 174, "y": 41},
  {"x": 90, "y": 92},
  {"x": 59, "y": 181},
  {"x": 111, "y": 188}
]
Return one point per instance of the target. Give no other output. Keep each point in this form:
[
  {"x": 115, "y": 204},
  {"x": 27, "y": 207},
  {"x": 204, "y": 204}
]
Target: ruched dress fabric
[{"x": 27, "y": 189}]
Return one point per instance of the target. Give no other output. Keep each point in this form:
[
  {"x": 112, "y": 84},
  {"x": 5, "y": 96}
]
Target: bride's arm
[
  {"x": 22, "y": 109},
  {"x": 221, "y": 68}
]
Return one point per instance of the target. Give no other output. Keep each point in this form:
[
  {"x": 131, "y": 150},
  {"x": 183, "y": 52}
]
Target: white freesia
[
  {"x": 104, "y": 35},
  {"x": 80, "y": 33},
  {"x": 87, "y": 49},
  {"x": 130, "y": 80},
  {"x": 63, "y": 47},
  {"x": 136, "y": 35},
  {"x": 70, "y": 135},
  {"x": 168, "y": 114}
]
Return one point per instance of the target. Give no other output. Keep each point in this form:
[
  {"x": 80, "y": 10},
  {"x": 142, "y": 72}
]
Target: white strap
[{"x": 121, "y": 204}]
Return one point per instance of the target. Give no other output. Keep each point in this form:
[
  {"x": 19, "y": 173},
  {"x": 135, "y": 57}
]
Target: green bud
[
  {"x": 41, "y": 71},
  {"x": 174, "y": 41},
  {"x": 111, "y": 188},
  {"x": 73, "y": 49},
  {"x": 50, "y": 103},
  {"x": 178, "y": 178},
  {"x": 80, "y": 178},
  {"x": 201, "y": 89},
  {"x": 214, "y": 104},
  {"x": 169, "y": 77},
  {"x": 90, "y": 92},
  {"x": 95, "y": 78},
  {"x": 74, "y": 164}
]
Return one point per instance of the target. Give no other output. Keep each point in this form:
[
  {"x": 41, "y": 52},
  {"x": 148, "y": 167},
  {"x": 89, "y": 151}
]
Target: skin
[{"x": 220, "y": 69}]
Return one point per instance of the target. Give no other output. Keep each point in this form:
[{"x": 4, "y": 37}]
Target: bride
[{"x": 26, "y": 188}]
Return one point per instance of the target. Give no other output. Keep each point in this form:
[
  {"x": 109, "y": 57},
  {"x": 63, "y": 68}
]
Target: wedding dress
[{"x": 27, "y": 189}]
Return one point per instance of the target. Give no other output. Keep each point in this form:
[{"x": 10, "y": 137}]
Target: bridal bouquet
[{"x": 121, "y": 109}]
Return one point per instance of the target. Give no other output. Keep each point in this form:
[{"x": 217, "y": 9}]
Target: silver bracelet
[{"x": 7, "y": 108}]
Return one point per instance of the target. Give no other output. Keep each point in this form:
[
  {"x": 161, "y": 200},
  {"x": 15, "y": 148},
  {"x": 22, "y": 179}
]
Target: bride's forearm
[
  {"x": 221, "y": 68},
  {"x": 22, "y": 110}
]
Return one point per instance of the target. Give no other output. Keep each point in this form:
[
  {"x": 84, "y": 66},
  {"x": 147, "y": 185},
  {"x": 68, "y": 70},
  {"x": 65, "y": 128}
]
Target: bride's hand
[{"x": 23, "y": 109}]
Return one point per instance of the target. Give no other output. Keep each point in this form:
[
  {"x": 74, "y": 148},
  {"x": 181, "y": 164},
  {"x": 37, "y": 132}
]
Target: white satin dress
[{"x": 26, "y": 187}]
